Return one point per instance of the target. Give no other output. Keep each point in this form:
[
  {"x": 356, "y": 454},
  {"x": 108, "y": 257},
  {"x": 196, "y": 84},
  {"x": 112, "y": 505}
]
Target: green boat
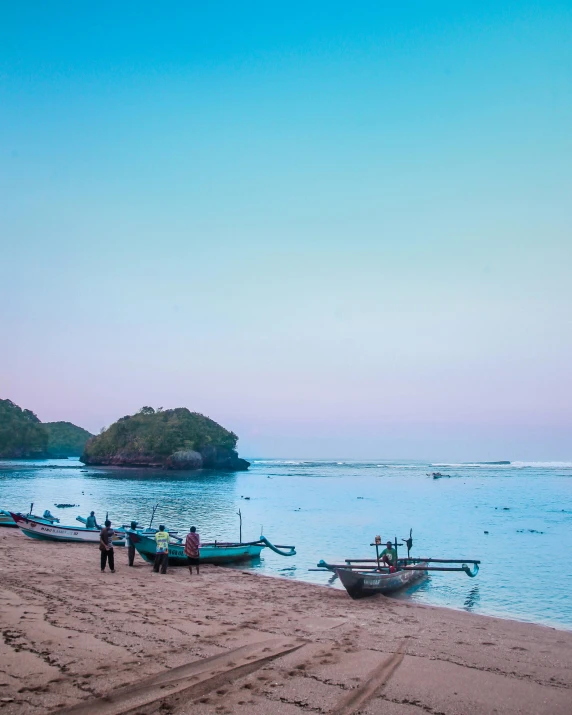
[
  {"x": 217, "y": 552},
  {"x": 6, "y": 519}
]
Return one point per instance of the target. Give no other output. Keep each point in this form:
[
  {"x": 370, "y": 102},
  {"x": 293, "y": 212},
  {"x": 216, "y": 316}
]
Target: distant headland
[
  {"x": 23, "y": 436},
  {"x": 170, "y": 439}
]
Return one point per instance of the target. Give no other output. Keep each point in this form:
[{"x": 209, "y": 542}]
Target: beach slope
[{"x": 75, "y": 640}]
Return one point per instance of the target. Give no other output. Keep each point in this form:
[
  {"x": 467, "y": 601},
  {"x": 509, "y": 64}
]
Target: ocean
[{"x": 516, "y": 518}]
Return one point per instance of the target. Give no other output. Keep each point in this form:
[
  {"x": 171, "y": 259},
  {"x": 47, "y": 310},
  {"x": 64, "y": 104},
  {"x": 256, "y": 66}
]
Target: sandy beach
[{"x": 78, "y": 641}]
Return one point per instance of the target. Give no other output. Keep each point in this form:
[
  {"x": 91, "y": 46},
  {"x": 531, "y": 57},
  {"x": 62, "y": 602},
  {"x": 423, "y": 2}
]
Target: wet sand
[{"x": 78, "y": 641}]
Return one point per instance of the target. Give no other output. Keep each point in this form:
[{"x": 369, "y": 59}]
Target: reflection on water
[
  {"x": 472, "y": 600},
  {"x": 332, "y": 511}
]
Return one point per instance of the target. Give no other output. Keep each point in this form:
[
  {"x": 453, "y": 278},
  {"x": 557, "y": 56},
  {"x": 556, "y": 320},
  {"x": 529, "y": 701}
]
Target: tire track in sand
[{"x": 376, "y": 680}]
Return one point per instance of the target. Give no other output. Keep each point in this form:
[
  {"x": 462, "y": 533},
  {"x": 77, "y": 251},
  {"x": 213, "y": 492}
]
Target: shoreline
[{"x": 233, "y": 641}]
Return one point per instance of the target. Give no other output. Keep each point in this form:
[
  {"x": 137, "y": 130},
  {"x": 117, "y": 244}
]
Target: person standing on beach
[
  {"x": 91, "y": 522},
  {"x": 192, "y": 546},
  {"x": 162, "y": 550},
  {"x": 106, "y": 547},
  {"x": 131, "y": 545}
]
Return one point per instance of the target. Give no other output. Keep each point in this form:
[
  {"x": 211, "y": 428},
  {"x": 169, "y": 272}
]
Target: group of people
[{"x": 161, "y": 561}]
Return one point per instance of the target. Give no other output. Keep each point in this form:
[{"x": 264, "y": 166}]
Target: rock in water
[
  {"x": 222, "y": 458},
  {"x": 185, "y": 459}
]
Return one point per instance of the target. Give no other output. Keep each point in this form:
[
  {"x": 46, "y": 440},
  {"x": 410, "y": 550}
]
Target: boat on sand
[
  {"x": 217, "y": 552},
  {"x": 7, "y": 520},
  {"x": 45, "y": 531}
]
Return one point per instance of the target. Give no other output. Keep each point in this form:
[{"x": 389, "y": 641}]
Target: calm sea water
[{"x": 333, "y": 510}]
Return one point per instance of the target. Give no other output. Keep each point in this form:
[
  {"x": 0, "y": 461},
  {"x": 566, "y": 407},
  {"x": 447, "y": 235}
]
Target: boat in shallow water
[
  {"x": 360, "y": 584},
  {"x": 217, "y": 552},
  {"x": 388, "y": 573},
  {"x": 46, "y": 531}
]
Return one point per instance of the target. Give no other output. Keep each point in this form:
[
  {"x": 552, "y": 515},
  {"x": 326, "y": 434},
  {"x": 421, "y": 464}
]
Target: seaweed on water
[{"x": 528, "y": 531}]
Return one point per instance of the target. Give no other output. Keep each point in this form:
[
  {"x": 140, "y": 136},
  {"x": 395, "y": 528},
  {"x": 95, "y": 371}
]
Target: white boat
[{"x": 56, "y": 532}]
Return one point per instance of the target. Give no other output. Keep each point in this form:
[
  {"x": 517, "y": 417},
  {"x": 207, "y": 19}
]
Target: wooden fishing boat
[
  {"x": 360, "y": 584},
  {"x": 7, "y": 520},
  {"x": 45, "y": 531},
  {"x": 217, "y": 552},
  {"x": 366, "y": 577}
]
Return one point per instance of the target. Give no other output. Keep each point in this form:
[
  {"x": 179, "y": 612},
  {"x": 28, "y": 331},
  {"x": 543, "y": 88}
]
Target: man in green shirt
[
  {"x": 91, "y": 522},
  {"x": 162, "y": 550},
  {"x": 389, "y": 556}
]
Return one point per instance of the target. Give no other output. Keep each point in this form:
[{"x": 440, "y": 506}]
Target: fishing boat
[
  {"x": 217, "y": 552},
  {"x": 360, "y": 584},
  {"x": 366, "y": 577},
  {"x": 7, "y": 520},
  {"x": 45, "y": 531}
]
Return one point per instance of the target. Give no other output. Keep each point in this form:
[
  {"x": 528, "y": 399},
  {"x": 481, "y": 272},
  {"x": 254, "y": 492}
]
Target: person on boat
[
  {"x": 192, "y": 546},
  {"x": 389, "y": 557},
  {"x": 91, "y": 522},
  {"x": 106, "y": 547},
  {"x": 161, "y": 550},
  {"x": 131, "y": 545}
]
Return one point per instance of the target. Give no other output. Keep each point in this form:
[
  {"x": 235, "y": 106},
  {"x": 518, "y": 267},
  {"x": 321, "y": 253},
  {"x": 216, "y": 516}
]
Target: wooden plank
[{"x": 194, "y": 679}]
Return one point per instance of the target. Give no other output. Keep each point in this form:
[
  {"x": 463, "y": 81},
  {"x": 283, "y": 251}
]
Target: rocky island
[
  {"x": 23, "y": 436},
  {"x": 169, "y": 439}
]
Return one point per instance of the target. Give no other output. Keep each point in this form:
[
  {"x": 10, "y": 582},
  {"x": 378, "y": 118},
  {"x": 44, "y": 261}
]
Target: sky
[{"x": 341, "y": 230}]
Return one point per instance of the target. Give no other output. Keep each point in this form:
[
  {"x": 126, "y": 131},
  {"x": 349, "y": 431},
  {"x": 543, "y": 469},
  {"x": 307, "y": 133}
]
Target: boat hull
[
  {"x": 51, "y": 532},
  {"x": 209, "y": 554},
  {"x": 361, "y": 585},
  {"x": 7, "y": 520}
]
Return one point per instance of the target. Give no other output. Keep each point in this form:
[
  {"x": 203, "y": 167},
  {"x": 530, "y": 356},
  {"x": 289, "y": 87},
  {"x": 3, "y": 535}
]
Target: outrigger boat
[
  {"x": 217, "y": 552},
  {"x": 366, "y": 577},
  {"x": 7, "y": 520},
  {"x": 45, "y": 531}
]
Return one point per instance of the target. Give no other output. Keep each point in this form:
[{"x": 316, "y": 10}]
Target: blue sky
[{"x": 341, "y": 231}]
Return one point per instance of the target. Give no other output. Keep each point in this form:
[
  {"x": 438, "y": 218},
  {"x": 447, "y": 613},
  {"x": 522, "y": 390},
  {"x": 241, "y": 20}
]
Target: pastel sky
[{"x": 340, "y": 229}]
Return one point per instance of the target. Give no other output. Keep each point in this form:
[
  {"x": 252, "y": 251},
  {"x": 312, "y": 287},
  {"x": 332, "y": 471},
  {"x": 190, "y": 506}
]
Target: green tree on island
[
  {"x": 22, "y": 435},
  {"x": 177, "y": 439}
]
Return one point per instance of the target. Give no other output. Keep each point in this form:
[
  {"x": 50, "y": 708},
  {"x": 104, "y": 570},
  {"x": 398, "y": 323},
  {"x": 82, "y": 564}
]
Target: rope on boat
[{"x": 276, "y": 550}]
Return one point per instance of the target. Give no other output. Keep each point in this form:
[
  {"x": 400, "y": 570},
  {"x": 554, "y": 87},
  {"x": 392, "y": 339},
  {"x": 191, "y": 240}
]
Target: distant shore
[{"x": 230, "y": 641}]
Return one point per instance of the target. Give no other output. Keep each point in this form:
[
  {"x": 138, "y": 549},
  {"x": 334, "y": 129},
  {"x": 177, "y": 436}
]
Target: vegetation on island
[
  {"x": 175, "y": 439},
  {"x": 23, "y": 436},
  {"x": 178, "y": 438},
  {"x": 66, "y": 439}
]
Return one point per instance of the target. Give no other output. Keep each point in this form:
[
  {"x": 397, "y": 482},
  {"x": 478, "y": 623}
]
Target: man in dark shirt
[
  {"x": 106, "y": 547},
  {"x": 131, "y": 545}
]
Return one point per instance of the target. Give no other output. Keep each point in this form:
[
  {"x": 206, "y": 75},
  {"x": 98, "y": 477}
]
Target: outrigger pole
[{"x": 153, "y": 514}]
